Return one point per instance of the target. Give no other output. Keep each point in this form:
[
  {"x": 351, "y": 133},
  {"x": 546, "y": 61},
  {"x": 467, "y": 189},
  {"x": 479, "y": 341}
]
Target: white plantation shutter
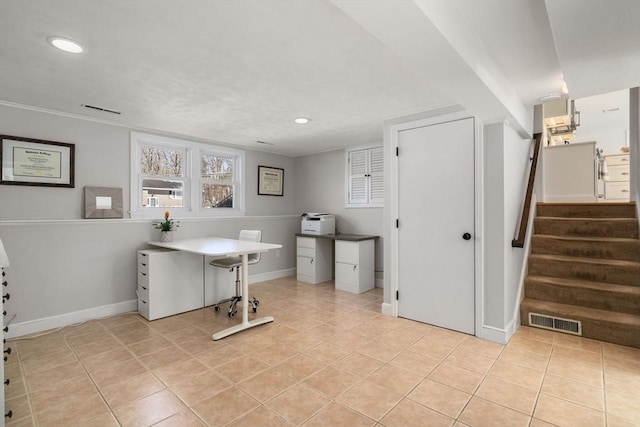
[
  {"x": 376, "y": 176},
  {"x": 357, "y": 178},
  {"x": 365, "y": 178}
]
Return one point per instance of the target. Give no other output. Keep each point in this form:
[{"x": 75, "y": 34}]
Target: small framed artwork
[
  {"x": 270, "y": 181},
  {"x": 27, "y": 161},
  {"x": 102, "y": 202}
]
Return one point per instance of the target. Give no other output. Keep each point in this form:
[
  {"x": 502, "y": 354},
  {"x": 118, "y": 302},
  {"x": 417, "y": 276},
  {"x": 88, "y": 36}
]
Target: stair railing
[{"x": 521, "y": 232}]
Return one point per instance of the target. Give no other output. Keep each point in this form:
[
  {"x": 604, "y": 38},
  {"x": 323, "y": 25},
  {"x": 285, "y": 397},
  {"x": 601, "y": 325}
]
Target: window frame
[
  {"x": 368, "y": 203},
  {"x": 191, "y": 192}
]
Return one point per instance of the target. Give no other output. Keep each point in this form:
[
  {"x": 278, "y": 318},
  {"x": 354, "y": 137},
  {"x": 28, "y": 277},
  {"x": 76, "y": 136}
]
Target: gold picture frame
[{"x": 270, "y": 181}]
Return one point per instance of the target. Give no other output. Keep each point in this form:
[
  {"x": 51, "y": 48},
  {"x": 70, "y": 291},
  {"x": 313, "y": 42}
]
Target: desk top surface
[
  {"x": 216, "y": 246},
  {"x": 347, "y": 237}
]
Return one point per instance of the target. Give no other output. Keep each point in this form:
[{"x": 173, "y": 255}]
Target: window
[
  {"x": 365, "y": 178},
  {"x": 188, "y": 178}
]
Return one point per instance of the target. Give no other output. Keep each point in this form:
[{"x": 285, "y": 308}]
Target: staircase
[{"x": 585, "y": 266}]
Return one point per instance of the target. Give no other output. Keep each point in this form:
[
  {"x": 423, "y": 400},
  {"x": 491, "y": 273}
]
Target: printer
[{"x": 318, "y": 223}]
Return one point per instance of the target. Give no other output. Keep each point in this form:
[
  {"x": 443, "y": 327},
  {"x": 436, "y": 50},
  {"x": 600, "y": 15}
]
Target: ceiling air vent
[
  {"x": 106, "y": 110},
  {"x": 555, "y": 323}
]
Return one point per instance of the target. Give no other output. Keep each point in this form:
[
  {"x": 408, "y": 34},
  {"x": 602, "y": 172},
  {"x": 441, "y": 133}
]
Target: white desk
[{"x": 217, "y": 246}]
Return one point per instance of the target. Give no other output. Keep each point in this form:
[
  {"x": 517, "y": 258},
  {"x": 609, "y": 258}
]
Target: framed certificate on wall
[
  {"x": 27, "y": 161},
  {"x": 270, "y": 181}
]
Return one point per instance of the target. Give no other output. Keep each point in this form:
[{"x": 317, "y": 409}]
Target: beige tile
[
  {"x": 73, "y": 411},
  {"x": 179, "y": 371},
  {"x": 483, "y": 347},
  {"x": 266, "y": 384},
  {"x": 300, "y": 342},
  {"x": 101, "y": 346},
  {"x": 92, "y": 327},
  {"x": 276, "y": 354},
  {"x": 184, "y": 418},
  {"x": 622, "y": 367},
  {"x": 576, "y": 371},
  {"x": 262, "y": 417},
  {"x": 539, "y": 423},
  {"x": 118, "y": 354},
  {"x": 241, "y": 369},
  {"x": 576, "y": 392},
  {"x": 623, "y": 406},
  {"x": 111, "y": 373},
  {"x": 56, "y": 393},
  {"x": 415, "y": 362},
  {"x": 299, "y": 367},
  {"x": 163, "y": 357},
  {"x": 149, "y": 410},
  {"x": 153, "y": 344},
  {"x": 399, "y": 337},
  {"x": 348, "y": 340},
  {"x": 572, "y": 355},
  {"x": 50, "y": 361},
  {"x": 409, "y": 413},
  {"x": 370, "y": 399},
  {"x": 218, "y": 356},
  {"x": 339, "y": 415},
  {"x": 564, "y": 413},
  {"x": 197, "y": 388},
  {"x": 440, "y": 397},
  {"x": 521, "y": 343},
  {"x": 225, "y": 407},
  {"x": 471, "y": 361},
  {"x": 298, "y": 403},
  {"x": 358, "y": 364},
  {"x": 517, "y": 374},
  {"x": 42, "y": 379},
  {"x": 104, "y": 420},
  {"x": 578, "y": 343},
  {"x": 537, "y": 334},
  {"x": 527, "y": 359},
  {"x": 480, "y": 413},
  {"x": 446, "y": 337},
  {"x": 130, "y": 389},
  {"x": 331, "y": 381},
  {"x": 326, "y": 352},
  {"x": 623, "y": 383},
  {"x": 19, "y": 406},
  {"x": 458, "y": 378},
  {"x": 197, "y": 345},
  {"x": 507, "y": 394},
  {"x": 380, "y": 350},
  {"x": 616, "y": 421},
  {"x": 397, "y": 379},
  {"x": 15, "y": 388},
  {"x": 620, "y": 352}
]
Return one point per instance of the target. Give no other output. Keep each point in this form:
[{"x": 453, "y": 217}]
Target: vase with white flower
[{"x": 167, "y": 227}]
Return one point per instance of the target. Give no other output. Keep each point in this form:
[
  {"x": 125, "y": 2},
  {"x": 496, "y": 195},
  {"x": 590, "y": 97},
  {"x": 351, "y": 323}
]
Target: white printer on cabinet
[{"x": 318, "y": 223}]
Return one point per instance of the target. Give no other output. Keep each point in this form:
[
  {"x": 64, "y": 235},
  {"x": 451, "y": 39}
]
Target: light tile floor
[{"x": 329, "y": 359}]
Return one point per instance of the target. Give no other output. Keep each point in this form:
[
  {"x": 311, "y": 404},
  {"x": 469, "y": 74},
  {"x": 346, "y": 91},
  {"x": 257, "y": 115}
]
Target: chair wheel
[
  {"x": 255, "y": 309},
  {"x": 216, "y": 308},
  {"x": 232, "y": 313}
]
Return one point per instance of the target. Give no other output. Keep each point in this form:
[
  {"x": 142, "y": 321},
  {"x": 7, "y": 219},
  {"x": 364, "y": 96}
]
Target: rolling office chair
[{"x": 235, "y": 263}]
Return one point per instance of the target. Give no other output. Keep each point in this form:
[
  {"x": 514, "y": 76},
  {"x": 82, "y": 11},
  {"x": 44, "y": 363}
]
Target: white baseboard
[
  {"x": 62, "y": 320},
  {"x": 501, "y": 336},
  {"x": 386, "y": 309},
  {"x": 257, "y": 278}
]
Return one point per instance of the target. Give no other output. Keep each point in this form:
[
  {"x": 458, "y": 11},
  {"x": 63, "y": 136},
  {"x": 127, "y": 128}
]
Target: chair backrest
[{"x": 251, "y": 236}]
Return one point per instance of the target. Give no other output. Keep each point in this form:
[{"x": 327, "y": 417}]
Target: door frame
[{"x": 390, "y": 151}]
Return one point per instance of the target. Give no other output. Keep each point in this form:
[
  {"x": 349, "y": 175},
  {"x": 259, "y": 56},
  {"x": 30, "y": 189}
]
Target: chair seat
[{"x": 227, "y": 262}]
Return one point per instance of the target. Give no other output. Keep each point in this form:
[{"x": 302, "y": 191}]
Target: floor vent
[{"x": 555, "y": 323}]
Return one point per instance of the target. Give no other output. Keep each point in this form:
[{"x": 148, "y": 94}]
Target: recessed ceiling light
[
  {"x": 302, "y": 120},
  {"x": 67, "y": 45}
]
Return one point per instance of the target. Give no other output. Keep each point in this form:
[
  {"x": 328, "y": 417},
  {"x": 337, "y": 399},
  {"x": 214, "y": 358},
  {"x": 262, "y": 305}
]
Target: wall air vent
[
  {"x": 106, "y": 110},
  {"x": 265, "y": 143},
  {"x": 555, "y": 323}
]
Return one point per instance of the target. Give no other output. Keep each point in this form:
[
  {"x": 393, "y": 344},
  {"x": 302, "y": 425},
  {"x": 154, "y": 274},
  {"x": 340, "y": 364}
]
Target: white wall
[
  {"x": 506, "y": 158},
  {"x": 608, "y": 128},
  {"x": 61, "y": 263},
  {"x": 320, "y": 187}
]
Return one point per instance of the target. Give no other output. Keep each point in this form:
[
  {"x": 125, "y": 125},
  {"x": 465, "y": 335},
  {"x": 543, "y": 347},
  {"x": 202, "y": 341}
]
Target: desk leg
[{"x": 246, "y": 324}]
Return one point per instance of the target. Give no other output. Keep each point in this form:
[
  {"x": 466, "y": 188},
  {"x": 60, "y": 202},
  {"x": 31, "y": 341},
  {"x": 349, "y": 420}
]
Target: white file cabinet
[
  {"x": 169, "y": 282},
  {"x": 355, "y": 269},
  {"x": 618, "y": 185},
  {"x": 314, "y": 259}
]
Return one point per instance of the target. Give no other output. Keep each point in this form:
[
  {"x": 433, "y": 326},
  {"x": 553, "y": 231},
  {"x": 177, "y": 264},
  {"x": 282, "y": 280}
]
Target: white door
[{"x": 436, "y": 225}]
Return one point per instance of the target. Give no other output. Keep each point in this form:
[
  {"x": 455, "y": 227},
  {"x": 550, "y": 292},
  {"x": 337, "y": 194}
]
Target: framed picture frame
[
  {"x": 102, "y": 202},
  {"x": 270, "y": 181},
  {"x": 28, "y": 161}
]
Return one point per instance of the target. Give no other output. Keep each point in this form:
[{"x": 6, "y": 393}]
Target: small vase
[{"x": 166, "y": 236}]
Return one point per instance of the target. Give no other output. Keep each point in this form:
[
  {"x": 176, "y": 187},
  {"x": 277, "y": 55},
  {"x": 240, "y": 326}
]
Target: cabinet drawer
[
  {"x": 143, "y": 278},
  {"x": 347, "y": 252},
  {"x": 306, "y": 242},
  {"x": 143, "y": 258},
  {"x": 619, "y": 173},
  {"x": 143, "y": 292},
  {"x": 622, "y": 159},
  {"x": 616, "y": 190},
  {"x": 306, "y": 266},
  {"x": 143, "y": 308},
  {"x": 306, "y": 252}
]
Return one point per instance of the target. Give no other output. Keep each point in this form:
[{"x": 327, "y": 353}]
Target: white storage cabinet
[
  {"x": 314, "y": 259},
  {"x": 169, "y": 282},
  {"x": 618, "y": 186},
  {"x": 355, "y": 269}
]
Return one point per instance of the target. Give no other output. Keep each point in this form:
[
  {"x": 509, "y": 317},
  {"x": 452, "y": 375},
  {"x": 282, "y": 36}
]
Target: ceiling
[{"x": 238, "y": 72}]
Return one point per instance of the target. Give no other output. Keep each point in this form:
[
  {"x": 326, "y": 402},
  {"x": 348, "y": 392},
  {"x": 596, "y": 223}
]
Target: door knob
[{"x": 466, "y": 236}]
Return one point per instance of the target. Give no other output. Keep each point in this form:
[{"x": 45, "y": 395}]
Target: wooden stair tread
[
  {"x": 579, "y": 313},
  {"x": 572, "y": 219},
  {"x": 565, "y": 237},
  {"x": 586, "y": 204},
  {"x": 601, "y": 261},
  {"x": 586, "y": 284}
]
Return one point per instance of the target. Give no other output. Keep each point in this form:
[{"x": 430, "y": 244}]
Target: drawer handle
[
  {"x": 624, "y": 191},
  {"x": 143, "y": 264},
  {"x": 625, "y": 173},
  {"x": 311, "y": 262},
  {"x": 354, "y": 267},
  {"x": 144, "y": 274},
  {"x": 624, "y": 159},
  {"x": 143, "y": 288},
  {"x": 143, "y": 301},
  {"x": 143, "y": 254}
]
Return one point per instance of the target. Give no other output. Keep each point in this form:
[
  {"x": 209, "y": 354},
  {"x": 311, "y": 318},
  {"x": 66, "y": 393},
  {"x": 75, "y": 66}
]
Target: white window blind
[{"x": 365, "y": 178}]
